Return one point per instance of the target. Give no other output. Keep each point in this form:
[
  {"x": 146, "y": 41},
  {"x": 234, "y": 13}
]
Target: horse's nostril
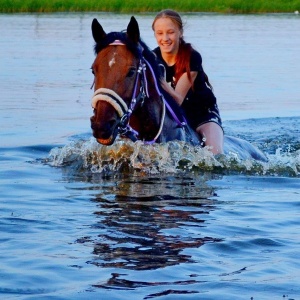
[
  {"x": 103, "y": 129},
  {"x": 112, "y": 123}
]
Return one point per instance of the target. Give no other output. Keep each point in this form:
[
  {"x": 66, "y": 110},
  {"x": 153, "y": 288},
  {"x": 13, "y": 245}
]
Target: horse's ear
[
  {"x": 133, "y": 31},
  {"x": 97, "y": 30}
]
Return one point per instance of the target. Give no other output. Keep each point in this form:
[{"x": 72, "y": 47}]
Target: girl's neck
[{"x": 169, "y": 58}]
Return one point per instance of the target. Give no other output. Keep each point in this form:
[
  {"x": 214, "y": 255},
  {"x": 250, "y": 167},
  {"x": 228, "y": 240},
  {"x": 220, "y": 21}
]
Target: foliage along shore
[{"x": 130, "y": 6}]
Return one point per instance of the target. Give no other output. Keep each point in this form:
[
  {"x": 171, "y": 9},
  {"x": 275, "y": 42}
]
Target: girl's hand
[{"x": 167, "y": 87}]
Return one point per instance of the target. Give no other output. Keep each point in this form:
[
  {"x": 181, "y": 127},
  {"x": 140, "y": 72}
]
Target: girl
[{"x": 190, "y": 85}]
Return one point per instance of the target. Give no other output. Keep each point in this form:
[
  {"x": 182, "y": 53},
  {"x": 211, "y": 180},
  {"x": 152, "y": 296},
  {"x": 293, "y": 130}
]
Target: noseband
[{"x": 123, "y": 110}]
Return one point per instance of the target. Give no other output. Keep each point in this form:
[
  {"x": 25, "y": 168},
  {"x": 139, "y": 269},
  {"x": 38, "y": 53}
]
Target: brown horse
[{"x": 128, "y": 98}]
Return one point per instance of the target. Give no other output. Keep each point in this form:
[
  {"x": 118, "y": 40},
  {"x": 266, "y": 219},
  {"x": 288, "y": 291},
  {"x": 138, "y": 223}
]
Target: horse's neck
[{"x": 148, "y": 116}]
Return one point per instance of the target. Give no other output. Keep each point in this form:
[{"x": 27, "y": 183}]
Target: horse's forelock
[
  {"x": 121, "y": 36},
  {"x": 150, "y": 56}
]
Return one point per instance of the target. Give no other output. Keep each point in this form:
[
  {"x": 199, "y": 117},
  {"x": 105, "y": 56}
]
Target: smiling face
[{"x": 167, "y": 34}]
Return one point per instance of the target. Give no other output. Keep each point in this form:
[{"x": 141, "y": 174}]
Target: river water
[{"x": 133, "y": 221}]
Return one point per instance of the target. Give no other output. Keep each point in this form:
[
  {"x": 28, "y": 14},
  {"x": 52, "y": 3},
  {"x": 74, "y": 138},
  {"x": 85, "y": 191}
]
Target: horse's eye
[
  {"x": 131, "y": 72},
  {"x": 92, "y": 70}
]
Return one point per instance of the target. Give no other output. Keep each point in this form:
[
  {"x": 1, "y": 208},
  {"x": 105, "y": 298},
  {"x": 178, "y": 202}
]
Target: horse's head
[{"x": 116, "y": 68}]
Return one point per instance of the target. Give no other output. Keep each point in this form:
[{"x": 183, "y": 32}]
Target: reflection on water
[
  {"x": 146, "y": 224},
  {"x": 115, "y": 282}
]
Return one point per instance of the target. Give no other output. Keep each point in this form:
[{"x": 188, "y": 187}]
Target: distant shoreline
[{"x": 142, "y": 6}]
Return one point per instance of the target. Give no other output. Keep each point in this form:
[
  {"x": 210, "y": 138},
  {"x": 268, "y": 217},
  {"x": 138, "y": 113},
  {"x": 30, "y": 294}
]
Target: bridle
[{"x": 138, "y": 96}]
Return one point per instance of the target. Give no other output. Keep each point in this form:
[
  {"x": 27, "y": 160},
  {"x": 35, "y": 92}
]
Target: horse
[{"x": 130, "y": 101}]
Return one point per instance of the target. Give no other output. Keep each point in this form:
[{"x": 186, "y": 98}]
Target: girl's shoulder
[
  {"x": 196, "y": 57},
  {"x": 195, "y": 61}
]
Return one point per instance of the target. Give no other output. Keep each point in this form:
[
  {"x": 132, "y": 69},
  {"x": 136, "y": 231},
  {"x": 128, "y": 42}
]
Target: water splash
[{"x": 172, "y": 157}]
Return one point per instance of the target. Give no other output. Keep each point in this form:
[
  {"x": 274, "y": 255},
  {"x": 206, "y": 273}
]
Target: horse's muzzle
[{"x": 104, "y": 135}]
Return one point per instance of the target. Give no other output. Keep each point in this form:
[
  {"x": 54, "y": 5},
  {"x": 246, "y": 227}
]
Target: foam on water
[{"x": 172, "y": 157}]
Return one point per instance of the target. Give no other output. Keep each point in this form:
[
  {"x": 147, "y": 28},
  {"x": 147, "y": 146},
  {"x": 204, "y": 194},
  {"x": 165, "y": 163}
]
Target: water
[{"x": 134, "y": 221}]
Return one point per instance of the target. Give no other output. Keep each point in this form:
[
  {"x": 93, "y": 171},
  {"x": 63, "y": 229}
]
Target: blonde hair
[{"x": 171, "y": 14}]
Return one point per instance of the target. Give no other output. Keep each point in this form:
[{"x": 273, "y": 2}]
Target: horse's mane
[
  {"x": 153, "y": 61},
  {"x": 142, "y": 50}
]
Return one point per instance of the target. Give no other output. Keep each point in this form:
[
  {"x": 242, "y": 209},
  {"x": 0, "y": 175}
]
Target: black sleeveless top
[{"x": 200, "y": 100}]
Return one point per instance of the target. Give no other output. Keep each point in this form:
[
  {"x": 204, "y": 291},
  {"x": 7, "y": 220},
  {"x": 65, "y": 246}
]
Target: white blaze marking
[{"x": 112, "y": 61}]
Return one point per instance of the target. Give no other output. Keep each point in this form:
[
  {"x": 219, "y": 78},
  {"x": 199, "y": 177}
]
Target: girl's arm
[{"x": 182, "y": 87}]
